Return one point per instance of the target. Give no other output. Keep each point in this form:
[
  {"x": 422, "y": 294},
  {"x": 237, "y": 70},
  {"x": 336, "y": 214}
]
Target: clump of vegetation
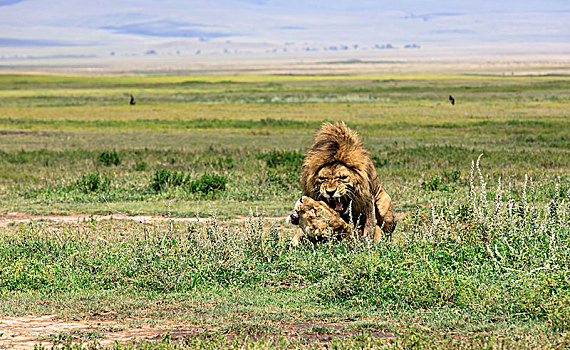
[
  {"x": 444, "y": 183},
  {"x": 433, "y": 184},
  {"x": 140, "y": 165},
  {"x": 208, "y": 184},
  {"x": 109, "y": 158},
  {"x": 92, "y": 182},
  {"x": 379, "y": 162},
  {"x": 223, "y": 163},
  {"x": 164, "y": 178},
  {"x": 283, "y": 181},
  {"x": 283, "y": 159}
]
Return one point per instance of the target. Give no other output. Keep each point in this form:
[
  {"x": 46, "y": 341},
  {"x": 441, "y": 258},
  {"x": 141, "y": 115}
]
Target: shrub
[
  {"x": 163, "y": 178},
  {"x": 285, "y": 159},
  {"x": 379, "y": 162},
  {"x": 93, "y": 182},
  {"x": 140, "y": 166},
  {"x": 208, "y": 184},
  {"x": 109, "y": 158},
  {"x": 434, "y": 184},
  {"x": 159, "y": 179},
  {"x": 25, "y": 273}
]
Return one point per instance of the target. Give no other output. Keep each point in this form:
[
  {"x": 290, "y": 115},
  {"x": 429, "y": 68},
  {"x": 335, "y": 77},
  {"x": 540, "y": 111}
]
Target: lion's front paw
[{"x": 294, "y": 217}]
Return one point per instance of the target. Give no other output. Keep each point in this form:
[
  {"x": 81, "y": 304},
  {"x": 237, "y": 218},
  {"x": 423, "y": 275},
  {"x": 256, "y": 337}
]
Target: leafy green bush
[
  {"x": 208, "y": 184},
  {"x": 286, "y": 159},
  {"x": 140, "y": 166},
  {"x": 379, "y": 162},
  {"x": 434, "y": 184},
  {"x": 446, "y": 182},
  {"x": 92, "y": 182},
  {"x": 159, "y": 179},
  {"x": 26, "y": 273},
  {"x": 163, "y": 178},
  {"x": 109, "y": 158}
]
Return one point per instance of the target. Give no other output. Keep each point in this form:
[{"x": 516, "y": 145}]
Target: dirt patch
[
  {"x": 25, "y": 332},
  {"x": 14, "y": 218},
  {"x": 19, "y": 132}
]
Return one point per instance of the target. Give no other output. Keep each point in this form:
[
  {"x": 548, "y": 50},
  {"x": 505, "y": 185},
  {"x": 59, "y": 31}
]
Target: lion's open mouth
[{"x": 338, "y": 203}]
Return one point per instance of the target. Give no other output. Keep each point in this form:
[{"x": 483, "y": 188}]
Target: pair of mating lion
[{"x": 340, "y": 187}]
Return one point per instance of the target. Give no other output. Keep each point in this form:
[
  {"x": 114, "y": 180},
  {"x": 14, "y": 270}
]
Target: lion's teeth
[{"x": 338, "y": 206}]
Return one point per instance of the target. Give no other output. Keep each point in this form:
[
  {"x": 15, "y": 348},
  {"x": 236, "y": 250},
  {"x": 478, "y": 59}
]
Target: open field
[{"x": 479, "y": 259}]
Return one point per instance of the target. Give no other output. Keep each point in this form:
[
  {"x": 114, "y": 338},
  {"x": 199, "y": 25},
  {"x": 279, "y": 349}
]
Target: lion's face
[
  {"x": 317, "y": 220},
  {"x": 335, "y": 184}
]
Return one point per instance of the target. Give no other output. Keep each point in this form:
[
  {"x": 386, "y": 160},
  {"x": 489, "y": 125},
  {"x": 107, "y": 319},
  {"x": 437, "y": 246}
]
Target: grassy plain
[{"x": 478, "y": 260}]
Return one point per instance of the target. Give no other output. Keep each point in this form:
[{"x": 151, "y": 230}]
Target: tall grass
[{"x": 497, "y": 254}]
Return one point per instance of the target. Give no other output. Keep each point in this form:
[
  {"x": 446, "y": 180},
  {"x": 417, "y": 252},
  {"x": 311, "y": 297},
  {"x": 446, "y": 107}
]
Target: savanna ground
[{"x": 480, "y": 258}]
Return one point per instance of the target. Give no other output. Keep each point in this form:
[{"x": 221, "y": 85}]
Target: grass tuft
[
  {"x": 92, "y": 182},
  {"x": 109, "y": 158}
]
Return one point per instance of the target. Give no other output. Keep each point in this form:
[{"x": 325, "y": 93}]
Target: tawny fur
[
  {"x": 336, "y": 144},
  {"x": 318, "y": 221}
]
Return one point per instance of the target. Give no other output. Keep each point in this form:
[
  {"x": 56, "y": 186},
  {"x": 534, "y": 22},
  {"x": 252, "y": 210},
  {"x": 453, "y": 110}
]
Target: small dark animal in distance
[
  {"x": 452, "y": 100},
  {"x": 133, "y": 102}
]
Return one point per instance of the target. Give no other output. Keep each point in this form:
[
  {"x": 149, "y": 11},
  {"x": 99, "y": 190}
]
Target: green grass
[
  {"x": 482, "y": 264},
  {"x": 473, "y": 264},
  {"x": 58, "y": 180}
]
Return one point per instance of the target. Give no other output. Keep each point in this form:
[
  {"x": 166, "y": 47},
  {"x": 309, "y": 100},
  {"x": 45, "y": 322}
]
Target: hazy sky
[{"x": 36, "y": 27}]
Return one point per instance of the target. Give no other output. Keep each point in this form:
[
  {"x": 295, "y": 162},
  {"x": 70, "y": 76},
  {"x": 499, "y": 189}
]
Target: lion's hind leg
[{"x": 385, "y": 215}]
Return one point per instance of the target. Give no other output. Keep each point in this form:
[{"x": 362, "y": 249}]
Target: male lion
[{"x": 338, "y": 171}]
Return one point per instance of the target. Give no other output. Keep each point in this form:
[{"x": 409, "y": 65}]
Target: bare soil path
[
  {"x": 14, "y": 218},
  {"x": 26, "y": 332}
]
